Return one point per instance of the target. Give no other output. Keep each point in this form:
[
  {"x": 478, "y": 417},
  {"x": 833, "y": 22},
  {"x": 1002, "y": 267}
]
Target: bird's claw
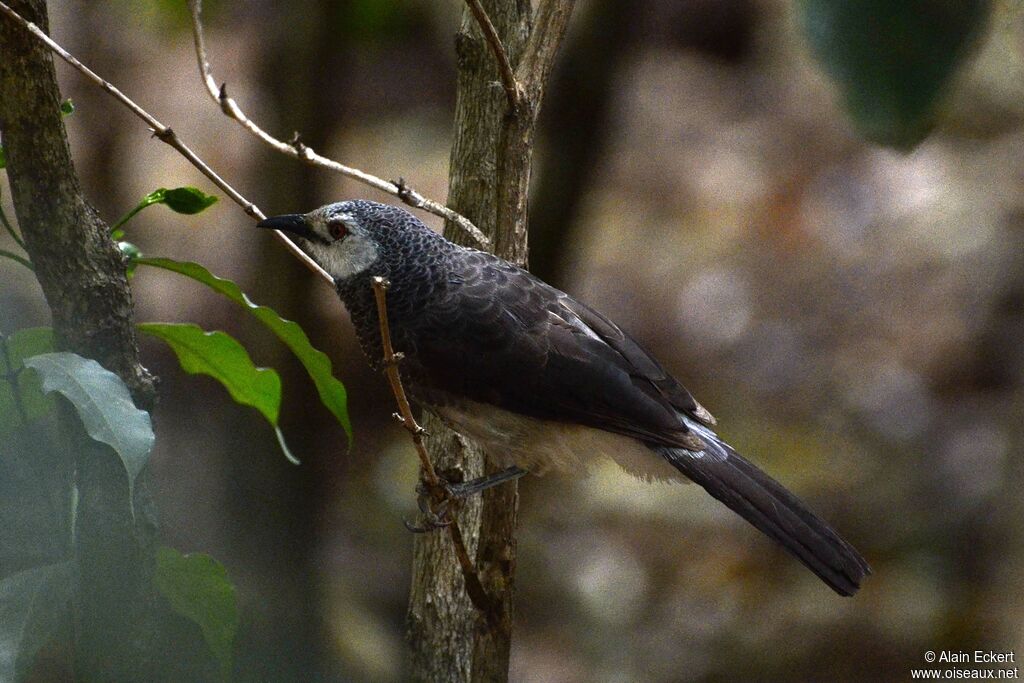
[
  {"x": 438, "y": 501},
  {"x": 435, "y": 503}
]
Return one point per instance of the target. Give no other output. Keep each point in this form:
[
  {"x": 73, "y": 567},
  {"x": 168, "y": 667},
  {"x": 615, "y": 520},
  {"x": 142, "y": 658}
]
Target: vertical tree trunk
[
  {"x": 83, "y": 278},
  {"x": 490, "y": 171}
]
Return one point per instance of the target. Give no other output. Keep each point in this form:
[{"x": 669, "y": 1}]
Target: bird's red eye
[{"x": 337, "y": 230}]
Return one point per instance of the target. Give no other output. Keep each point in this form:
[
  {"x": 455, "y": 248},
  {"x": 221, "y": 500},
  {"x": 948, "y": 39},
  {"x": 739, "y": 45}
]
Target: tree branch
[
  {"x": 166, "y": 135},
  {"x": 513, "y": 90},
  {"x": 515, "y": 147},
  {"x": 474, "y": 588},
  {"x": 297, "y": 150},
  {"x": 549, "y": 25},
  {"x": 489, "y": 178}
]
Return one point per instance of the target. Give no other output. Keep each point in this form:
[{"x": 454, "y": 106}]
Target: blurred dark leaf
[
  {"x": 197, "y": 587},
  {"x": 67, "y": 107},
  {"x": 317, "y": 364},
  {"x": 3, "y": 157},
  {"x": 188, "y": 200},
  {"x": 370, "y": 18},
  {"x": 103, "y": 403},
  {"x": 14, "y": 350},
  {"x": 892, "y": 60},
  {"x": 220, "y": 356},
  {"x": 34, "y": 604}
]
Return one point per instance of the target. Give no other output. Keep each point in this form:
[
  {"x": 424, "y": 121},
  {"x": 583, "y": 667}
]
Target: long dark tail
[{"x": 766, "y": 504}]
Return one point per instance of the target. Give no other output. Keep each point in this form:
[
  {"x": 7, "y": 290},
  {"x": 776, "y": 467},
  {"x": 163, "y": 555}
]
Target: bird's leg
[
  {"x": 437, "y": 501},
  {"x": 481, "y": 484}
]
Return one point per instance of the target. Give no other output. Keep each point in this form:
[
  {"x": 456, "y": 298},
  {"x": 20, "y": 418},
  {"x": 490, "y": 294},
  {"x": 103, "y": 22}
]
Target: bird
[{"x": 540, "y": 380}]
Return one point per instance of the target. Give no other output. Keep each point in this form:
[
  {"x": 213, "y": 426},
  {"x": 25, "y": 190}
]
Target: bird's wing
[
  {"x": 501, "y": 336},
  {"x": 641, "y": 362}
]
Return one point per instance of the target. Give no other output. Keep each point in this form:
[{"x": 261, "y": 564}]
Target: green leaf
[
  {"x": 892, "y": 60},
  {"x": 188, "y": 200},
  {"x": 155, "y": 197},
  {"x": 67, "y": 107},
  {"x": 332, "y": 392},
  {"x": 220, "y": 356},
  {"x": 197, "y": 587},
  {"x": 103, "y": 404},
  {"x": 30, "y": 398},
  {"x": 34, "y": 605},
  {"x": 27, "y": 342}
]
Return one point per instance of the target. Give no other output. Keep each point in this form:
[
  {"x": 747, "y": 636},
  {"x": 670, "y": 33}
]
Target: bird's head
[{"x": 352, "y": 237}]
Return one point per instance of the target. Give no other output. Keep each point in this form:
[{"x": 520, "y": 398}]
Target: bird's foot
[
  {"x": 438, "y": 501},
  {"x": 435, "y": 503}
]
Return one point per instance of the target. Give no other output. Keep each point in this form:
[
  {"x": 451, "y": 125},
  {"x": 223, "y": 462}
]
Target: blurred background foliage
[{"x": 852, "y": 315}]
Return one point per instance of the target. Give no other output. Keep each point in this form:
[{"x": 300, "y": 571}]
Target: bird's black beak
[{"x": 295, "y": 223}]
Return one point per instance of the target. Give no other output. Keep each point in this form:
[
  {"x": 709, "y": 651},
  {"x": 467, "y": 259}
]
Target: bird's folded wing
[
  {"x": 638, "y": 359},
  {"x": 501, "y": 336}
]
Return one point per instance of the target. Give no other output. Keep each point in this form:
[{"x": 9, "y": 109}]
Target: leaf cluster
[{"x": 36, "y": 602}]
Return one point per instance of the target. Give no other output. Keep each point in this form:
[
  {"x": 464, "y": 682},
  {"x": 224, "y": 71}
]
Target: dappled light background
[{"x": 853, "y": 317}]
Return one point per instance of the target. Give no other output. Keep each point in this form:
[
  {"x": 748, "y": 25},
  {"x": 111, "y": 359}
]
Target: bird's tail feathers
[{"x": 776, "y": 512}]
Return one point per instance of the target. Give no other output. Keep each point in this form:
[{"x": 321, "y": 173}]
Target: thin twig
[
  {"x": 297, "y": 149},
  {"x": 166, "y": 135},
  {"x": 513, "y": 90},
  {"x": 474, "y": 587}
]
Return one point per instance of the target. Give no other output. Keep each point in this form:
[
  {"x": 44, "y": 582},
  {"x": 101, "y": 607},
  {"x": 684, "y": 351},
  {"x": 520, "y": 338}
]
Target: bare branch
[
  {"x": 549, "y": 25},
  {"x": 296, "y": 149},
  {"x": 508, "y": 78},
  {"x": 166, "y": 135},
  {"x": 474, "y": 588}
]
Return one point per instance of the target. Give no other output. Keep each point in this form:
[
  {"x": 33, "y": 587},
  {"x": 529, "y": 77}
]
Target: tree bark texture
[
  {"x": 82, "y": 275},
  {"x": 450, "y": 639}
]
